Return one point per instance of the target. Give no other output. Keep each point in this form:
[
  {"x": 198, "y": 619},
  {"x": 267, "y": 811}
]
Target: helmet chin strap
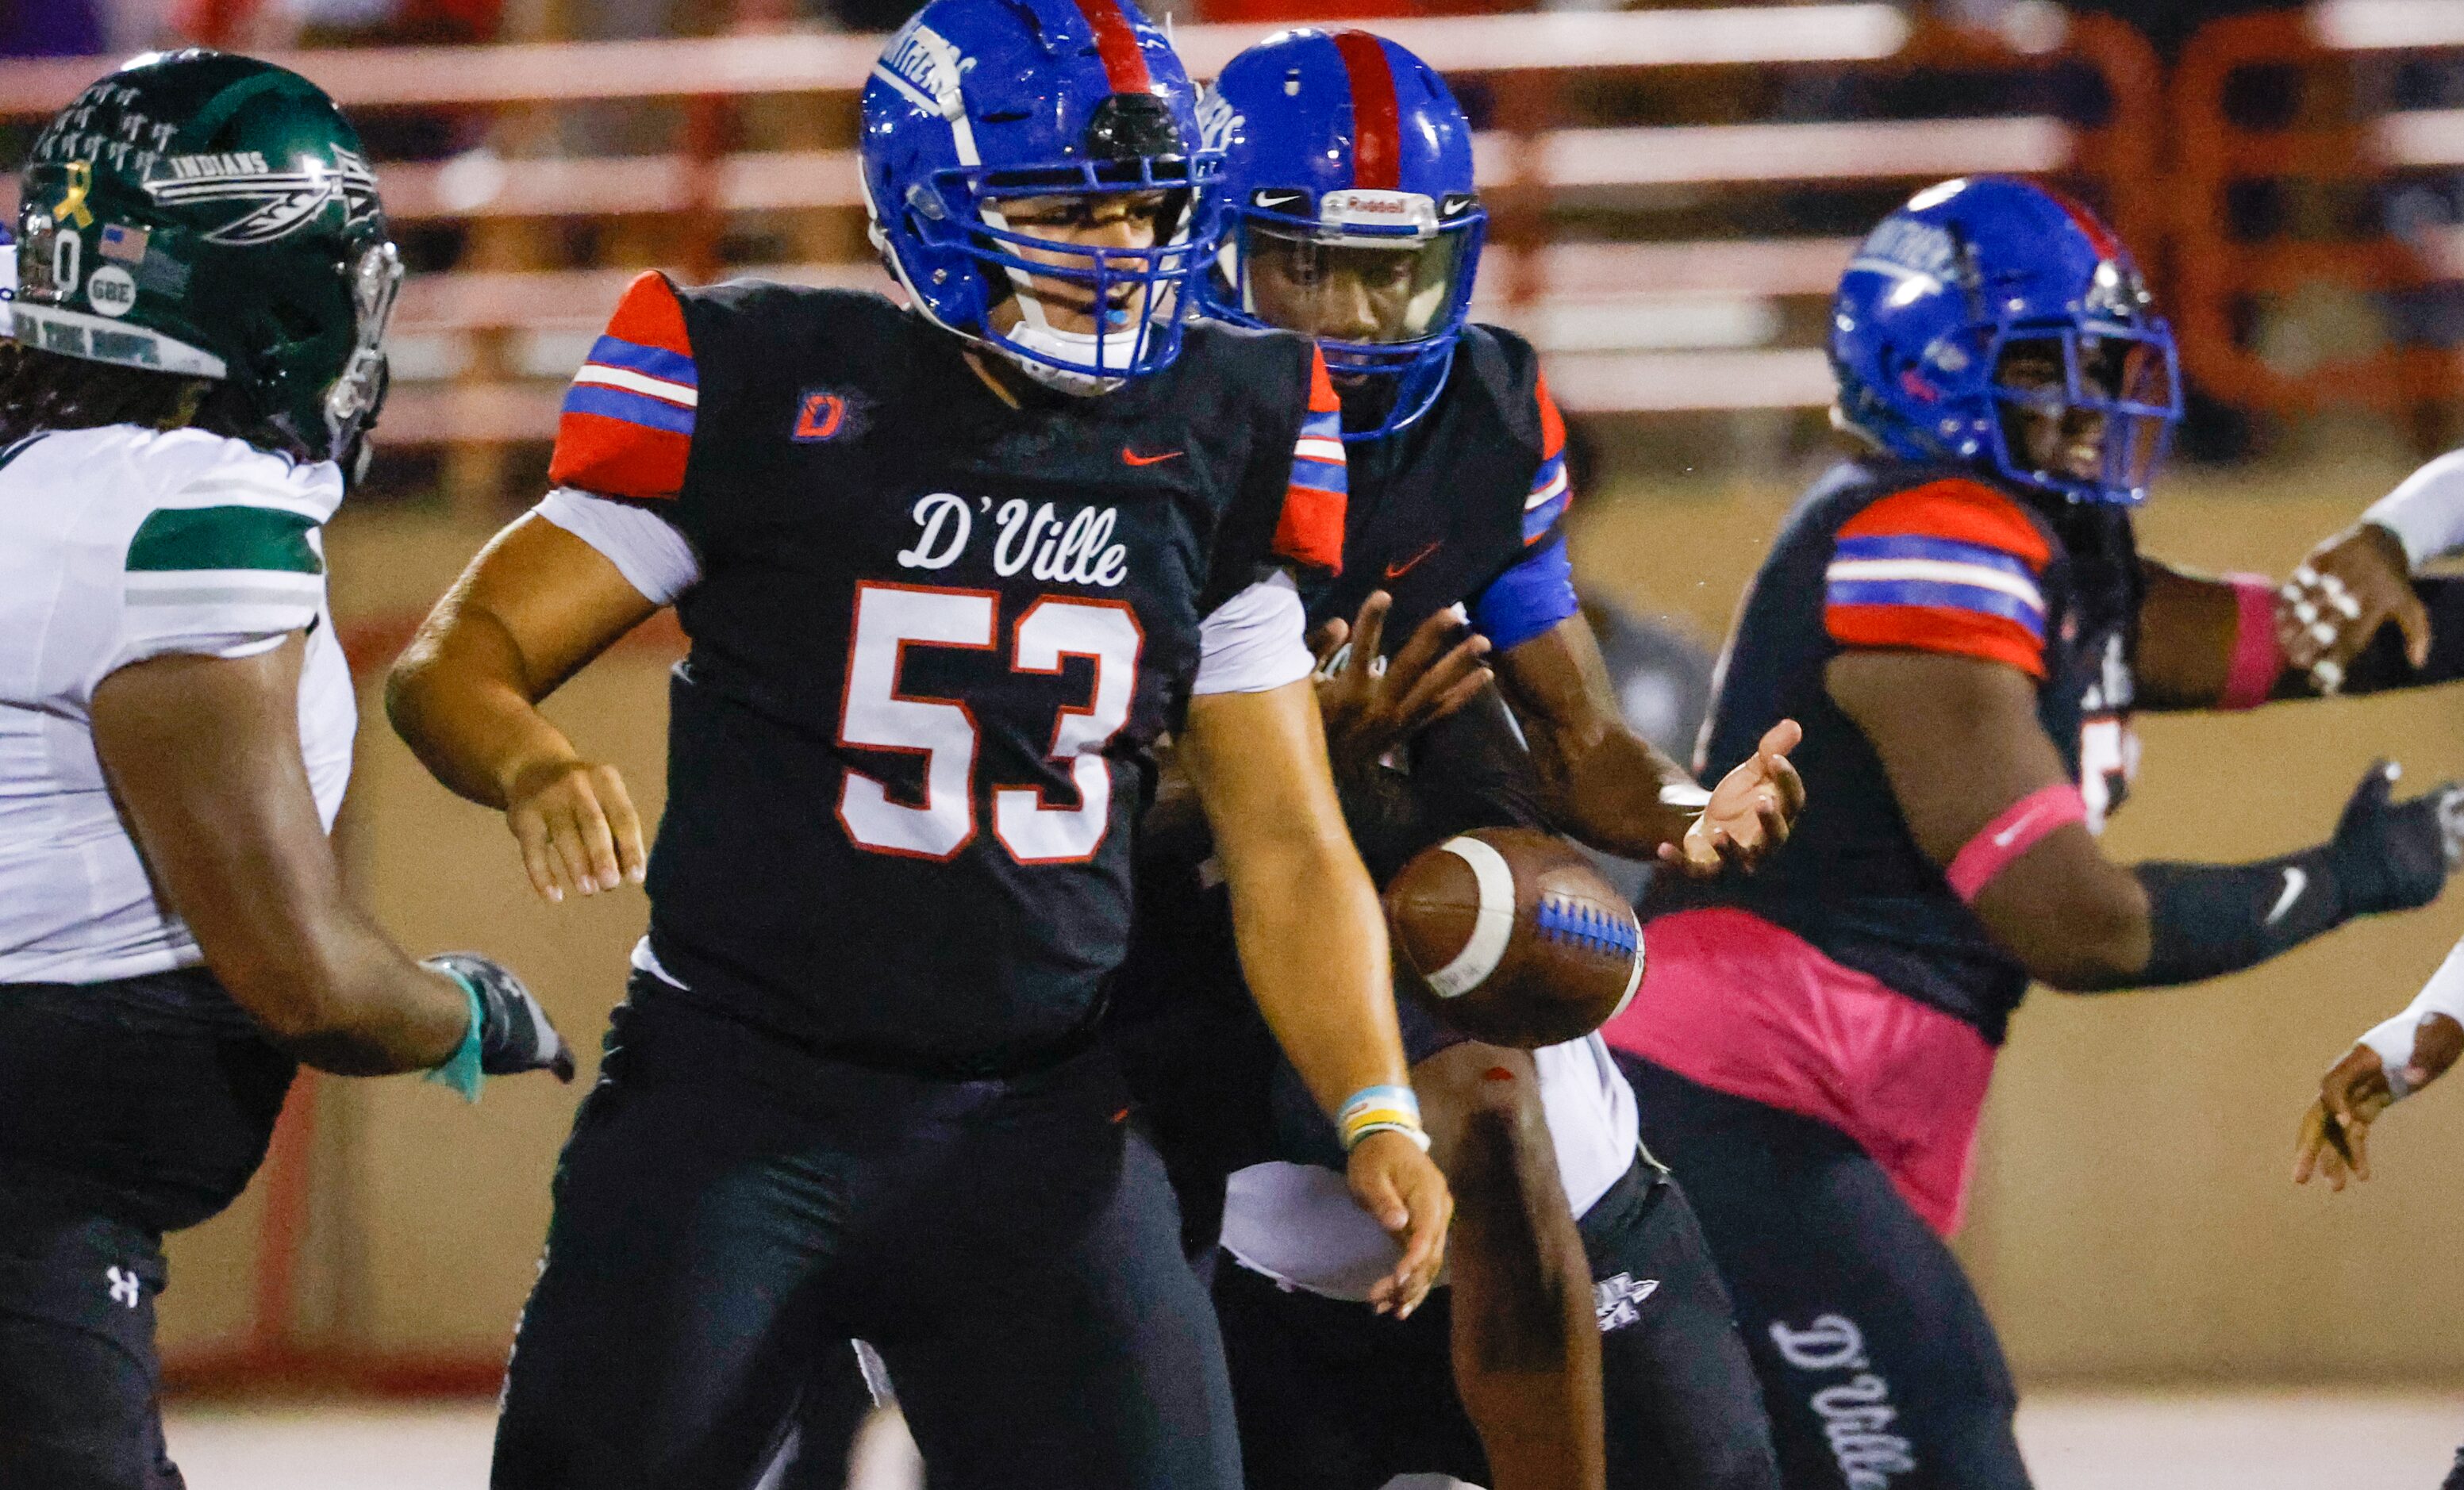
[
  {"x": 1035, "y": 334},
  {"x": 1075, "y": 345}
]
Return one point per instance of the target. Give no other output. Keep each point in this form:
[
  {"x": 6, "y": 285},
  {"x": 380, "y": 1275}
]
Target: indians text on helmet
[{"x": 279, "y": 202}]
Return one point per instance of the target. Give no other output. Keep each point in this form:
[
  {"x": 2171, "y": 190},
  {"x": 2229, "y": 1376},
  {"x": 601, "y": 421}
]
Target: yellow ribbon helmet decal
[{"x": 72, "y": 207}]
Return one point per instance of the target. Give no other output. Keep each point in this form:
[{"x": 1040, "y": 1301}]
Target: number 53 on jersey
[{"x": 877, "y": 715}]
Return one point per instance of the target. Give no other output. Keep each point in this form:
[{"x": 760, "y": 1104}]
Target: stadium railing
[
  {"x": 2330, "y": 148},
  {"x": 1699, "y": 323}
]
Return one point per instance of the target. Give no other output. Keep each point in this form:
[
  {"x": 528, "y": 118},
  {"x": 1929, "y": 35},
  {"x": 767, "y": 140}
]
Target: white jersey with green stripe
[{"x": 117, "y": 545}]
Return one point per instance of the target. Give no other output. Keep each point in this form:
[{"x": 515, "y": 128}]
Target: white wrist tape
[
  {"x": 2426, "y": 513},
  {"x": 2392, "y": 1039}
]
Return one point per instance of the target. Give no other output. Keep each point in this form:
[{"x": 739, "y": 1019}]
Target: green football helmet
[{"x": 215, "y": 217}]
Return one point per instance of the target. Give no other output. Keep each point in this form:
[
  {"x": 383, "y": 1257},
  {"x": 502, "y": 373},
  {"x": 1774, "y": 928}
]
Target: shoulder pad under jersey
[{"x": 1951, "y": 565}]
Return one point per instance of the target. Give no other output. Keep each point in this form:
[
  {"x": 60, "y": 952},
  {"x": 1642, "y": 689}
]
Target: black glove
[
  {"x": 514, "y": 1033},
  {"x": 2394, "y": 856},
  {"x": 2205, "y": 920}
]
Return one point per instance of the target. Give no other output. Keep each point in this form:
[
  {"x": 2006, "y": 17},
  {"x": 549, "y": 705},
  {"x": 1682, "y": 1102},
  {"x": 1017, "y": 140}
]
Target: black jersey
[
  {"x": 1467, "y": 505},
  {"x": 1932, "y": 559},
  {"x": 933, "y": 641}
]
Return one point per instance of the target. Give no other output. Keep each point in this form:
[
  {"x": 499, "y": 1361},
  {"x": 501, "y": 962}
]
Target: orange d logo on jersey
[{"x": 818, "y": 416}]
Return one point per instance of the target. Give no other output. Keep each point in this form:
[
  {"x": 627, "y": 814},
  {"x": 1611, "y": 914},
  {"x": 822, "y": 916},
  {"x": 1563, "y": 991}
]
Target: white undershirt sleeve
[
  {"x": 2443, "y": 994},
  {"x": 2426, "y": 513},
  {"x": 1254, "y": 640},
  {"x": 644, "y": 547}
]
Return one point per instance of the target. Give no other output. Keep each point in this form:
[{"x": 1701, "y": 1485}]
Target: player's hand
[
  {"x": 2335, "y": 1130},
  {"x": 2393, "y": 855},
  {"x": 1750, "y": 811},
  {"x": 577, "y": 827},
  {"x": 515, "y": 1032},
  {"x": 1370, "y": 705},
  {"x": 2349, "y": 588},
  {"x": 1401, "y": 1189}
]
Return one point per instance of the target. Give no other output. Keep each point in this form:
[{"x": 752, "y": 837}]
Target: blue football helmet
[
  {"x": 977, "y": 103},
  {"x": 1351, "y": 214},
  {"x": 1985, "y": 299}
]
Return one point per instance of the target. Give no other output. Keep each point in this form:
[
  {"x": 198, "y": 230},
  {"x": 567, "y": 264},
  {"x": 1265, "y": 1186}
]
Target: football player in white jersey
[
  {"x": 205, "y": 279},
  {"x": 2353, "y": 616}
]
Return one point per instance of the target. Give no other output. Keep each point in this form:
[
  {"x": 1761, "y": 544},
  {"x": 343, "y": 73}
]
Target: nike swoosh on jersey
[
  {"x": 1399, "y": 571},
  {"x": 1129, "y": 457},
  {"x": 2295, "y": 881}
]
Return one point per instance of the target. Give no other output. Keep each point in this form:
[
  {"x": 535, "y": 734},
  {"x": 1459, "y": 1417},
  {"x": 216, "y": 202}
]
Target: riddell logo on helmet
[{"x": 1378, "y": 209}]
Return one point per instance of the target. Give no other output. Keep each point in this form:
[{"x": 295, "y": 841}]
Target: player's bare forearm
[
  {"x": 1613, "y": 791},
  {"x": 204, "y": 759},
  {"x": 1960, "y": 740},
  {"x": 1312, "y": 935},
  {"x": 1609, "y": 786},
  {"x": 2383, "y": 633},
  {"x": 1313, "y": 942},
  {"x": 1525, "y": 1343},
  {"x": 1986, "y": 797},
  {"x": 2189, "y": 628},
  {"x": 533, "y": 606}
]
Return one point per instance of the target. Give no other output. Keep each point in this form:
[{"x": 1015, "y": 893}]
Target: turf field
[{"x": 2287, "y": 1440}]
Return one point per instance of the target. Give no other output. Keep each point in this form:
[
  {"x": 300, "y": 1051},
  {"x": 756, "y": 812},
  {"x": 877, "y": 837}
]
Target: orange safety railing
[
  {"x": 484, "y": 348},
  {"x": 2329, "y": 145}
]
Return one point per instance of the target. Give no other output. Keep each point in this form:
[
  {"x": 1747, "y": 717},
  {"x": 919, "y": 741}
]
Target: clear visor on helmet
[
  {"x": 2090, "y": 408},
  {"x": 1372, "y": 292}
]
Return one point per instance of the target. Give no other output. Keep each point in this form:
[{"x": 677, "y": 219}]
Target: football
[{"x": 1513, "y": 938}]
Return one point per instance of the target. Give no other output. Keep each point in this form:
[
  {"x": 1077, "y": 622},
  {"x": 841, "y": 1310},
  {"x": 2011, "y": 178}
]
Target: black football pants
[
  {"x": 1334, "y": 1397},
  {"x": 80, "y": 1386},
  {"x": 729, "y": 1208},
  {"x": 127, "y": 1109},
  {"x": 1877, "y": 1360}
]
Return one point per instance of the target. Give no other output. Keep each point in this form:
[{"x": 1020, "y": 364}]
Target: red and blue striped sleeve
[
  {"x": 1551, "y": 494},
  {"x": 1952, "y": 566},
  {"x": 1310, "y": 530},
  {"x": 627, "y": 420}
]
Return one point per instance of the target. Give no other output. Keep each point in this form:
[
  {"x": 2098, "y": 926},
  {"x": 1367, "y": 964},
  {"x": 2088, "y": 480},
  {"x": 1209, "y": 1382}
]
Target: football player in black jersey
[
  {"x": 1350, "y": 176},
  {"x": 949, "y": 572},
  {"x": 1962, "y": 619}
]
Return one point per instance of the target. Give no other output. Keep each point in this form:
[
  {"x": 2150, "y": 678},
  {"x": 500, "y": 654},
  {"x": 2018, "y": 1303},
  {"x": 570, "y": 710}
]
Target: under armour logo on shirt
[
  {"x": 1618, "y": 1298},
  {"x": 125, "y": 1289}
]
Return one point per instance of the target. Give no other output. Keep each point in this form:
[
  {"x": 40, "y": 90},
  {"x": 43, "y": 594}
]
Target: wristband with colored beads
[{"x": 1380, "y": 1109}]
